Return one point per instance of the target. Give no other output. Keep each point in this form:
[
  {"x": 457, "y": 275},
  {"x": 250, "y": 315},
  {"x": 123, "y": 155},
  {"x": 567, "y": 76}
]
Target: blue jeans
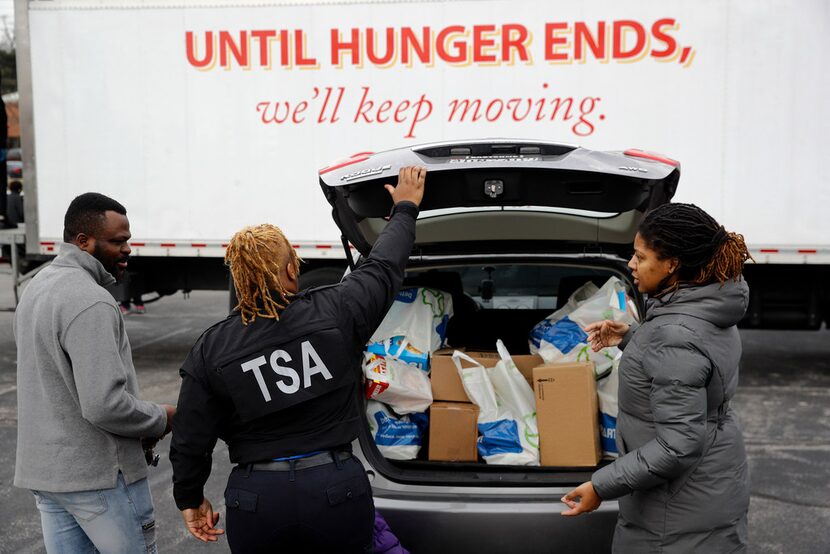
[{"x": 118, "y": 520}]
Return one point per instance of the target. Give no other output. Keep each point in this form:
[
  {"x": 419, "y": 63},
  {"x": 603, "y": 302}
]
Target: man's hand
[
  {"x": 410, "y": 185},
  {"x": 171, "y": 411},
  {"x": 605, "y": 333},
  {"x": 589, "y": 500},
  {"x": 201, "y": 522}
]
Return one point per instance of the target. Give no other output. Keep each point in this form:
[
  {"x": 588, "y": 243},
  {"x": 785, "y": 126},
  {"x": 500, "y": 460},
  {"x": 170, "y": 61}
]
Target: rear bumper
[
  {"x": 514, "y": 524},
  {"x": 496, "y": 518}
]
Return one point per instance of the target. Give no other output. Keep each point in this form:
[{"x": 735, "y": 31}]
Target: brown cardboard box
[
  {"x": 453, "y": 431},
  {"x": 567, "y": 413},
  {"x": 525, "y": 363},
  {"x": 446, "y": 384}
]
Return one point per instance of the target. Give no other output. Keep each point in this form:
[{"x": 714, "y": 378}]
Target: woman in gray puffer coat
[{"x": 682, "y": 478}]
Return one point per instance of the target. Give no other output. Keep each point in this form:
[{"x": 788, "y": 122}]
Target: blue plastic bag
[{"x": 397, "y": 438}]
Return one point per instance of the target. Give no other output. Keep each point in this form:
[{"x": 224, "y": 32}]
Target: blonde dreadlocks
[
  {"x": 257, "y": 257},
  {"x": 705, "y": 250}
]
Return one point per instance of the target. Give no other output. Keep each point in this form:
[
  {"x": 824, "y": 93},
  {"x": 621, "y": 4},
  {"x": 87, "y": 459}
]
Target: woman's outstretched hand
[
  {"x": 589, "y": 500},
  {"x": 603, "y": 334}
]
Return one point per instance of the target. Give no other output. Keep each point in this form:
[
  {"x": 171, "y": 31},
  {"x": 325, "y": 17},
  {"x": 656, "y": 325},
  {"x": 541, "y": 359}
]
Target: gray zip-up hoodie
[
  {"x": 682, "y": 477},
  {"x": 79, "y": 418}
]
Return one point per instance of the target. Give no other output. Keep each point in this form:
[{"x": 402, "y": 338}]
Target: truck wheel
[{"x": 320, "y": 277}]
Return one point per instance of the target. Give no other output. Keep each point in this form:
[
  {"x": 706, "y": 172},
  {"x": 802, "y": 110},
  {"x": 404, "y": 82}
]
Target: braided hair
[
  {"x": 706, "y": 252},
  {"x": 256, "y": 257}
]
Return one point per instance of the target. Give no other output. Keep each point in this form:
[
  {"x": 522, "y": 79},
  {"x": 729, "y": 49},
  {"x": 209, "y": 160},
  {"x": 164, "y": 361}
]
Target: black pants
[{"x": 326, "y": 508}]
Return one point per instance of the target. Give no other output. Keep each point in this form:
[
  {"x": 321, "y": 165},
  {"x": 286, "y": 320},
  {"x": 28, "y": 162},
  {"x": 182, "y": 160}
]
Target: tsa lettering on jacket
[
  {"x": 288, "y": 378},
  {"x": 284, "y": 374}
]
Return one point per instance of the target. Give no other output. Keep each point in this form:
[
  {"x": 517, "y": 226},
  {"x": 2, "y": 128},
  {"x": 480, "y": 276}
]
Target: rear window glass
[
  {"x": 503, "y": 300},
  {"x": 525, "y": 286},
  {"x": 511, "y": 286}
]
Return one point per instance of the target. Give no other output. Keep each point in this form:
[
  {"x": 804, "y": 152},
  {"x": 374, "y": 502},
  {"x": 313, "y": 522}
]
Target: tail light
[
  {"x": 355, "y": 158},
  {"x": 653, "y": 156}
]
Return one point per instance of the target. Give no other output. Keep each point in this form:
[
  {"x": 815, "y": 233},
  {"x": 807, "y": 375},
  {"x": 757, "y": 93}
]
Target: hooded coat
[{"x": 682, "y": 478}]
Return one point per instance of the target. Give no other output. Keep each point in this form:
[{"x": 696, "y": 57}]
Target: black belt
[{"x": 320, "y": 459}]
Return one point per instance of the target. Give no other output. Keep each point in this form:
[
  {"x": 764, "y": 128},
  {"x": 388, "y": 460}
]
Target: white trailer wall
[{"x": 118, "y": 107}]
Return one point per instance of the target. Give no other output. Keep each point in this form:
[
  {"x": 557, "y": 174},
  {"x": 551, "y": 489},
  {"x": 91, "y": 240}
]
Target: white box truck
[{"x": 203, "y": 116}]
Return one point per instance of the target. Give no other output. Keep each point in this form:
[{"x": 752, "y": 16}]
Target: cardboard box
[
  {"x": 446, "y": 384},
  {"x": 567, "y": 413},
  {"x": 526, "y": 363},
  {"x": 453, "y": 432}
]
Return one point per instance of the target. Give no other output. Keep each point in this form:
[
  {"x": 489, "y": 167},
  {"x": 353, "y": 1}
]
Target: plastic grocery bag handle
[
  {"x": 458, "y": 355},
  {"x": 387, "y": 344},
  {"x": 503, "y": 353},
  {"x": 478, "y": 386}
]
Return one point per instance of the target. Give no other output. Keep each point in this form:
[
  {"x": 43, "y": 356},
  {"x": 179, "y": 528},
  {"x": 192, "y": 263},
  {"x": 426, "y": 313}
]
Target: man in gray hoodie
[{"x": 80, "y": 421}]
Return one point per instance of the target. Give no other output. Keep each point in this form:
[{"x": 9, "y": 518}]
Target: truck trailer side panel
[{"x": 204, "y": 117}]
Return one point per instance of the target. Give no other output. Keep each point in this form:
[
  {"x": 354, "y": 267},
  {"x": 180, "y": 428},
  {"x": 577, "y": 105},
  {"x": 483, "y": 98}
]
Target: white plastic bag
[
  {"x": 405, "y": 388},
  {"x": 560, "y": 336},
  {"x": 582, "y": 352},
  {"x": 397, "y": 438},
  {"x": 609, "y": 302},
  {"x": 420, "y": 315},
  {"x": 559, "y": 326},
  {"x": 508, "y": 434},
  {"x": 513, "y": 390},
  {"x": 607, "y": 395}
]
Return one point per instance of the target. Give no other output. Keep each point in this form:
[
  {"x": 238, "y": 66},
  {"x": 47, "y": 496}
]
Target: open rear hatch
[
  {"x": 504, "y": 195},
  {"x": 501, "y": 197}
]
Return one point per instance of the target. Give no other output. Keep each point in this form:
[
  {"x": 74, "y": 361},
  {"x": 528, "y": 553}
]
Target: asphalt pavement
[{"x": 783, "y": 402}]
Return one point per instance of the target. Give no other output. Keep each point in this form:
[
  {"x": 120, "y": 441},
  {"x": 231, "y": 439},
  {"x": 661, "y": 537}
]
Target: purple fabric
[{"x": 385, "y": 541}]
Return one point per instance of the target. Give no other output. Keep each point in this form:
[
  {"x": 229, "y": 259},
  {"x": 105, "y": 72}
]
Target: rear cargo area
[{"x": 490, "y": 302}]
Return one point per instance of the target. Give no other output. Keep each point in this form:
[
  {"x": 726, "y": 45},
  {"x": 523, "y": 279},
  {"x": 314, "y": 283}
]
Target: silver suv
[{"x": 510, "y": 228}]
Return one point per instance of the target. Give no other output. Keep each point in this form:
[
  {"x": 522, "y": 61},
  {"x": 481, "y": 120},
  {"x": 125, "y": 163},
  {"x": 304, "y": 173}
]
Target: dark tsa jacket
[{"x": 682, "y": 478}]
